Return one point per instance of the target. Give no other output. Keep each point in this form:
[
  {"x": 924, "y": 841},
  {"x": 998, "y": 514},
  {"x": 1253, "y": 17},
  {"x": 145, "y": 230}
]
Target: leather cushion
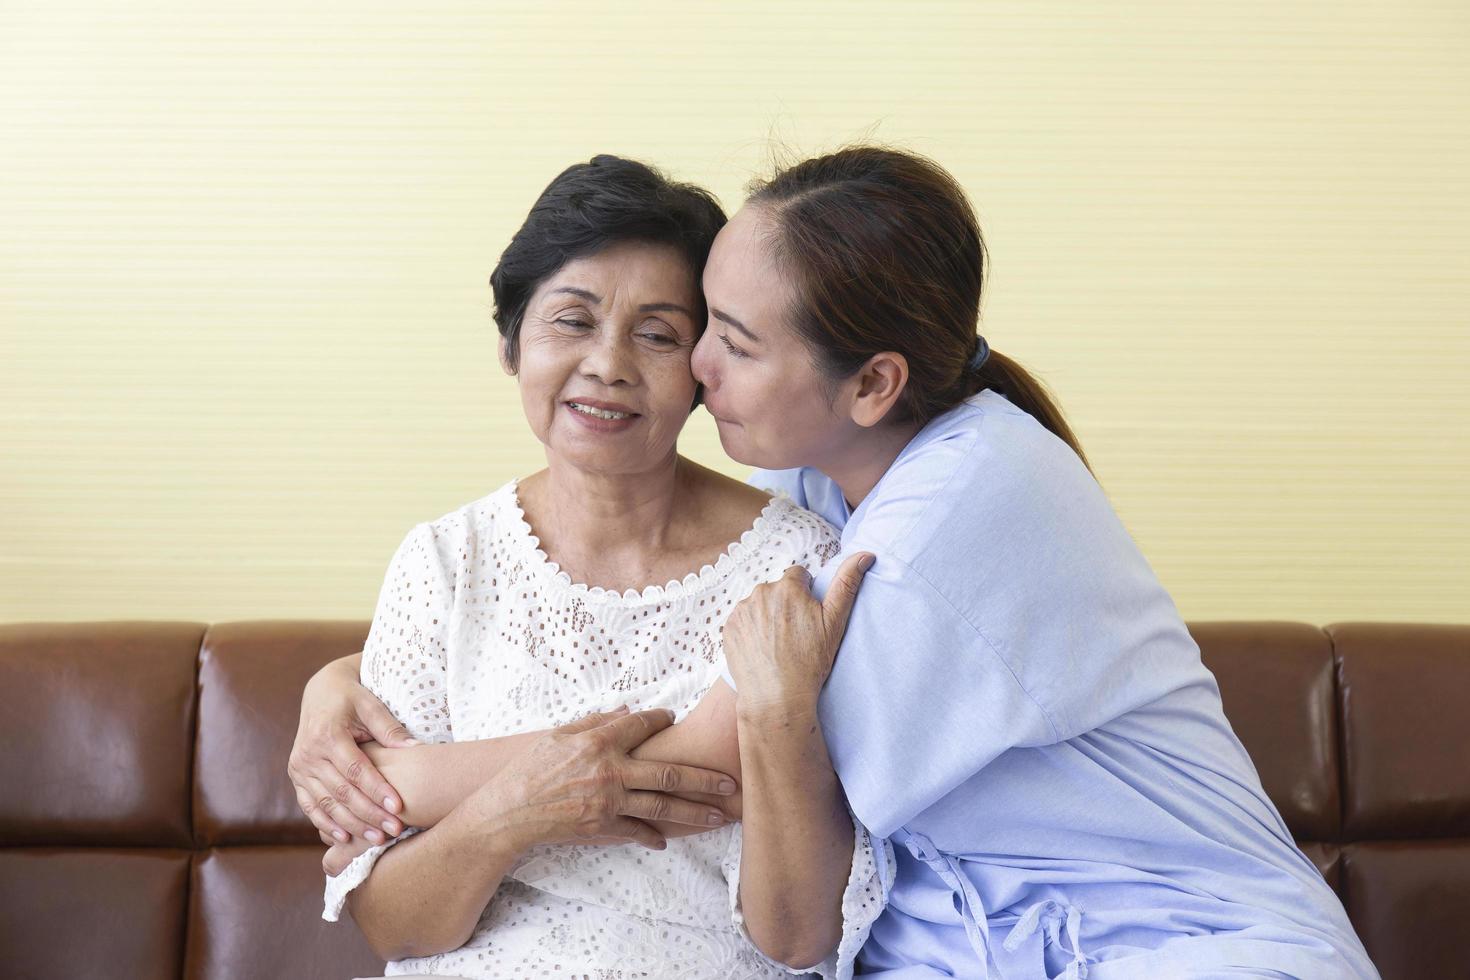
[
  {"x": 91, "y": 913},
  {"x": 250, "y": 678},
  {"x": 1277, "y": 686},
  {"x": 98, "y": 729},
  {"x": 256, "y": 912},
  {"x": 1408, "y": 901},
  {"x": 1406, "y": 727}
]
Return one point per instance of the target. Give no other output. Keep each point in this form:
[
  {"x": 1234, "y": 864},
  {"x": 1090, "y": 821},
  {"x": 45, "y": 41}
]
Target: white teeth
[{"x": 599, "y": 412}]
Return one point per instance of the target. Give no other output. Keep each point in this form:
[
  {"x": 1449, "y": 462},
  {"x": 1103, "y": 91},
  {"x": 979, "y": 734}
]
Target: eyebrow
[
  {"x": 724, "y": 317},
  {"x": 592, "y": 297}
]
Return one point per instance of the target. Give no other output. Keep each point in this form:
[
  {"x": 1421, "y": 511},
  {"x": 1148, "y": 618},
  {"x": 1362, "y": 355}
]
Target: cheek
[
  {"x": 541, "y": 378},
  {"x": 675, "y": 385}
]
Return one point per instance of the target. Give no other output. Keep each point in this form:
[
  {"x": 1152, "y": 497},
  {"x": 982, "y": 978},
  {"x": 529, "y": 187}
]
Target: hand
[
  {"x": 578, "y": 785},
  {"x": 780, "y": 642},
  {"x": 337, "y": 786}
]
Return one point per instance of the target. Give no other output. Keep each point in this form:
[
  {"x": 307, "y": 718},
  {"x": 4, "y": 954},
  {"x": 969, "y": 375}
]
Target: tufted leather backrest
[
  {"x": 147, "y": 828},
  {"x": 1361, "y": 735}
]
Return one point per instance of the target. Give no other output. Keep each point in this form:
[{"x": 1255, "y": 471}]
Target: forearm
[
  {"x": 707, "y": 738},
  {"x": 425, "y": 895},
  {"x": 798, "y": 835},
  {"x": 434, "y": 779}
]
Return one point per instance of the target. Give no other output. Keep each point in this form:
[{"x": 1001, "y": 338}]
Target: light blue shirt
[{"x": 1018, "y": 706}]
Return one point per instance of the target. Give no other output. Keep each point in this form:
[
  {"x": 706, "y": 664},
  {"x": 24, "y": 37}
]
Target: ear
[
  {"x": 500, "y": 349},
  {"x": 879, "y": 385}
]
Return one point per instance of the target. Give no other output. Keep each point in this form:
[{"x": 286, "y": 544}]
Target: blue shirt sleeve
[
  {"x": 1008, "y": 608},
  {"x": 918, "y": 700}
]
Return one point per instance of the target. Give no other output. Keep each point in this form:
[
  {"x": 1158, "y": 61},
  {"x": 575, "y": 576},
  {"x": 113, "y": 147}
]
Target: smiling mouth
[{"x": 600, "y": 413}]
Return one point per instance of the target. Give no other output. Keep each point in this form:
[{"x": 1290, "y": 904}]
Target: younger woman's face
[{"x": 773, "y": 408}]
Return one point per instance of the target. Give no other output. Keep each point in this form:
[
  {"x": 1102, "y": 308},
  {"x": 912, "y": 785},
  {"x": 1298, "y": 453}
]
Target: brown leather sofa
[{"x": 147, "y": 828}]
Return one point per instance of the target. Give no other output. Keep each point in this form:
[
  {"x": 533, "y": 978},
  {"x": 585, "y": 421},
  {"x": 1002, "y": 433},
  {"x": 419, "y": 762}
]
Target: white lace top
[{"x": 478, "y": 634}]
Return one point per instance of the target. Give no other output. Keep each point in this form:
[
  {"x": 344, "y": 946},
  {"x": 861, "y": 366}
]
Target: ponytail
[{"x": 1023, "y": 390}]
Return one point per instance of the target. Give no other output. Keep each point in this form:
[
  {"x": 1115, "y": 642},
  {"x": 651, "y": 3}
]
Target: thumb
[
  {"x": 842, "y": 593},
  {"x": 380, "y": 723}
]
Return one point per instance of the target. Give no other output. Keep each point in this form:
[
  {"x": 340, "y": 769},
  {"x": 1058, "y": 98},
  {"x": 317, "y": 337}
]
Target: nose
[
  {"x": 610, "y": 360},
  {"x": 701, "y": 363}
]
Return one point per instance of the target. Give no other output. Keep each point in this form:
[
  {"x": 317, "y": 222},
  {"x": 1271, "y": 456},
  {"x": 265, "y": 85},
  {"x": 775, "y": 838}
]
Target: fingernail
[
  {"x": 389, "y": 828},
  {"x": 865, "y": 563},
  {"x": 411, "y": 741},
  {"x": 340, "y": 836},
  {"x": 715, "y": 819},
  {"x": 620, "y": 709},
  {"x": 375, "y": 836},
  {"x": 727, "y": 786},
  {"x": 390, "y": 804}
]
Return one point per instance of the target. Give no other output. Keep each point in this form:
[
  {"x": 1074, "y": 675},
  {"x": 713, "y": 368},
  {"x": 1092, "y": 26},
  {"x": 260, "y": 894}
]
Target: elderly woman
[{"x": 598, "y": 584}]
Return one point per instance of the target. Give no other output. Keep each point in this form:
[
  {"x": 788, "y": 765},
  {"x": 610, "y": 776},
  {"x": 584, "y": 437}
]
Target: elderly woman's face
[{"x": 604, "y": 357}]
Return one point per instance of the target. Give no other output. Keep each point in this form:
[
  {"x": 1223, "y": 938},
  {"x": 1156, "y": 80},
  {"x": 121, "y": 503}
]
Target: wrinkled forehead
[{"x": 635, "y": 273}]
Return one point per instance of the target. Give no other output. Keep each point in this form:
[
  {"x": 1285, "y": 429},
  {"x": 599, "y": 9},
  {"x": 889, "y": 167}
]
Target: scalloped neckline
[{"x": 692, "y": 583}]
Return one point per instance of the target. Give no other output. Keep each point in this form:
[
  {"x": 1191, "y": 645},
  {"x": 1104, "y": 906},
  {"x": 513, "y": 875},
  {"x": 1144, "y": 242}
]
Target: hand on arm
[
  {"x": 576, "y": 784},
  {"x": 337, "y": 786},
  {"x": 697, "y": 756},
  {"x": 780, "y": 644}
]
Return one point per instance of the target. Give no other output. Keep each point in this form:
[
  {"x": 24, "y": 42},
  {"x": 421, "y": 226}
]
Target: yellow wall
[{"x": 245, "y": 339}]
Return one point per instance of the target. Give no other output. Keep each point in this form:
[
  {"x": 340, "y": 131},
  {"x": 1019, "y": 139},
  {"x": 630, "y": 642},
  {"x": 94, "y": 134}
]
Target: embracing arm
[
  {"x": 576, "y": 784},
  {"x": 798, "y": 837},
  {"x": 798, "y": 845},
  {"x": 434, "y": 779}
]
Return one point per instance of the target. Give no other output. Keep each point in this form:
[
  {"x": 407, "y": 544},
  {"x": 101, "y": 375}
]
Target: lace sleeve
[
  {"x": 863, "y": 900},
  {"x": 405, "y": 663}
]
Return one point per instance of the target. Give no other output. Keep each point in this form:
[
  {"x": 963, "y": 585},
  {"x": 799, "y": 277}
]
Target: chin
[{"x": 739, "y": 451}]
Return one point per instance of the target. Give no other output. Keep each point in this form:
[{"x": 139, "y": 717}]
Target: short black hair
[{"x": 588, "y": 207}]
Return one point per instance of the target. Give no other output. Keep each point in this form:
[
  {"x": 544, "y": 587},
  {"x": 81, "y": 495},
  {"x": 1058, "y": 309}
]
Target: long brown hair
[{"x": 887, "y": 256}]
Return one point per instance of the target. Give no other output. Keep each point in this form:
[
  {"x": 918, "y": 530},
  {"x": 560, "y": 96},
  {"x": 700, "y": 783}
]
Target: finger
[
  {"x": 325, "y": 799},
  {"x": 325, "y": 825},
  {"x": 842, "y": 593},
  {"x": 798, "y": 573},
  {"x": 381, "y": 724},
  {"x": 335, "y": 861},
  {"x": 632, "y": 731},
  {"x": 375, "y": 802},
  {"x": 352, "y": 768},
  {"x": 668, "y": 777},
  {"x": 639, "y": 833},
  {"x": 594, "y": 720},
  {"x": 671, "y": 809}
]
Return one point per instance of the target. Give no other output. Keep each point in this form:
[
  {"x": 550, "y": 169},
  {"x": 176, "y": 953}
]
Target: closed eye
[
  {"x": 659, "y": 332},
  {"x": 734, "y": 351}
]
